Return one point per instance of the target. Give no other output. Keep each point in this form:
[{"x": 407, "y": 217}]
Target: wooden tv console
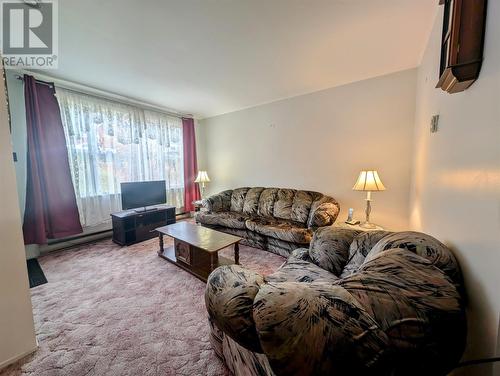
[{"x": 133, "y": 226}]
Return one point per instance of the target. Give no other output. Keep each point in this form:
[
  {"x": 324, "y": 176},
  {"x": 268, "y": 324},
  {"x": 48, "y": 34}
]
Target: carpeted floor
[{"x": 110, "y": 310}]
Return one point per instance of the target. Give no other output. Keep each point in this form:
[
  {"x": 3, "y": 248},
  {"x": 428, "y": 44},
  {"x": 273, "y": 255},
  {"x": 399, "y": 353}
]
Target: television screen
[{"x": 141, "y": 194}]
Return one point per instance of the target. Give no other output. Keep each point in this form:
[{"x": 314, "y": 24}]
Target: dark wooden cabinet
[
  {"x": 131, "y": 227},
  {"x": 461, "y": 44}
]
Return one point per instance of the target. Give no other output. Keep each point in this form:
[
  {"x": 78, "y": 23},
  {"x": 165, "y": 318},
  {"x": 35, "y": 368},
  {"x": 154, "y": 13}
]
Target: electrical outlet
[{"x": 434, "y": 123}]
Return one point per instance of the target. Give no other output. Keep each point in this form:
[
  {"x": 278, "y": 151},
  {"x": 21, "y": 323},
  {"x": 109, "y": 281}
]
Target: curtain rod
[
  {"x": 128, "y": 103},
  {"x": 19, "y": 77}
]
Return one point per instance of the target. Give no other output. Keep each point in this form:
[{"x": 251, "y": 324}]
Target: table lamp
[
  {"x": 202, "y": 178},
  {"x": 368, "y": 181}
]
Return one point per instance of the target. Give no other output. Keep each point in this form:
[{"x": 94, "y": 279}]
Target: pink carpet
[{"x": 110, "y": 310}]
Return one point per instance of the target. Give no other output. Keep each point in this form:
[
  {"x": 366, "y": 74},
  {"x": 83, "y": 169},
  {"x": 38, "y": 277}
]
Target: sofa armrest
[
  {"x": 316, "y": 329},
  {"x": 218, "y": 203},
  {"x": 229, "y": 298},
  {"x": 207, "y": 204},
  {"x": 323, "y": 212}
]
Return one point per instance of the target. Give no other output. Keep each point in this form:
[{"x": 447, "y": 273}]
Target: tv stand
[{"x": 132, "y": 226}]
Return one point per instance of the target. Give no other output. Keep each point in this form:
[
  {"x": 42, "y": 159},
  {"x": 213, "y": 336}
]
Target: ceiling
[{"x": 209, "y": 57}]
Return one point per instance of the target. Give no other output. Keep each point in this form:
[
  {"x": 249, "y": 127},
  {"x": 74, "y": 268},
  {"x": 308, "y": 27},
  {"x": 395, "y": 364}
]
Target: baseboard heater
[
  {"x": 109, "y": 232},
  {"x": 78, "y": 237}
]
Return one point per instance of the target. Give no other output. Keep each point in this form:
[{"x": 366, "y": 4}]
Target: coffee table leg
[
  {"x": 160, "y": 239},
  {"x": 236, "y": 253}
]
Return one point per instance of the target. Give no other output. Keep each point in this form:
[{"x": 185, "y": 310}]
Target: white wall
[
  {"x": 456, "y": 194},
  {"x": 321, "y": 141},
  {"x": 17, "y": 336},
  {"x": 200, "y": 145}
]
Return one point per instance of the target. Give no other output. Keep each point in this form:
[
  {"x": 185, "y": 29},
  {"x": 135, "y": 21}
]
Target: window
[{"x": 109, "y": 143}]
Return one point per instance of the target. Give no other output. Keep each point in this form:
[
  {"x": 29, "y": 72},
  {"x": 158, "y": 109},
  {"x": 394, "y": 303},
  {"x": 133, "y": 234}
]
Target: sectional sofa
[
  {"x": 275, "y": 219},
  {"x": 353, "y": 303}
]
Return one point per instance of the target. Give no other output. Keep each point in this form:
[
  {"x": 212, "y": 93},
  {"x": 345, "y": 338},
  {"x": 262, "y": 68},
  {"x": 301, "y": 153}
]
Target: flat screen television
[{"x": 142, "y": 194}]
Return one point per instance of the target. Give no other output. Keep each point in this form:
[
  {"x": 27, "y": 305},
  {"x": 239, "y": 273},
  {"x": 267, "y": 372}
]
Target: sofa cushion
[
  {"x": 266, "y": 202},
  {"x": 251, "y": 204},
  {"x": 283, "y": 204},
  {"x": 359, "y": 249},
  {"x": 225, "y": 219},
  {"x": 238, "y": 199},
  {"x": 329, "y": 248},
  {"x": 219, "y": 202},
  {"x": 296, "y": 270},
  {"x": 280, "y": 229},
  {"x": 301, "y": 206},
  {"x": 300, "y": 254}
]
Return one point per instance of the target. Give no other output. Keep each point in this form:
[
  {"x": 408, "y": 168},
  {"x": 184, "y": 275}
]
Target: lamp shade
[
  {"x": 202, "y": 177},
  {"x": 368, "y": 181}
]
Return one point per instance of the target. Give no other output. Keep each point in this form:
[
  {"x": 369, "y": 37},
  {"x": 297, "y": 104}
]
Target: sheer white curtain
[{"x": 109, "y": 143}]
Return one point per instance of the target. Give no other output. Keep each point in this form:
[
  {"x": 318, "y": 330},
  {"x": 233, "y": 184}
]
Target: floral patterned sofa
[
  {"x": 274, "y": 219},
  {"x": 354, "y": 303}
]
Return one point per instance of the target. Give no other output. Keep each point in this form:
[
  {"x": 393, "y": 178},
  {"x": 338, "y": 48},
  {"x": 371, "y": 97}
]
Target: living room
[{"x": 251, "y": 188}]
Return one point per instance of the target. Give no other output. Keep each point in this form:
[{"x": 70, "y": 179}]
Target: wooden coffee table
[{"x": 196, "y": 248}]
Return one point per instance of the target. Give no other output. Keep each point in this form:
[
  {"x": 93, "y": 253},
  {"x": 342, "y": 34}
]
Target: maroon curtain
[
  {"x": 51, "y": 210},
  {"x": 191, "y": 189}
]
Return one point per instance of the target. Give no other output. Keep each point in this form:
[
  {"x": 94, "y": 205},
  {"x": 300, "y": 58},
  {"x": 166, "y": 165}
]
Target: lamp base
[{"x": 368, "y": 225}]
